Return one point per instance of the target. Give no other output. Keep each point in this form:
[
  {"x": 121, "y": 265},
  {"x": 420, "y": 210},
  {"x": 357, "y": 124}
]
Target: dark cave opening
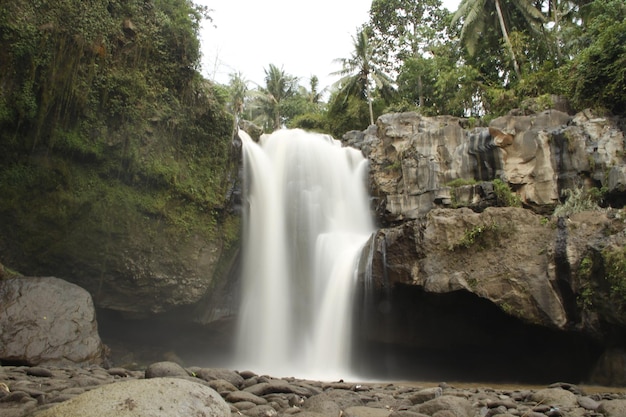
[
  {"x": 415, "y": 335},
  {"x": 135, "y": 343}
]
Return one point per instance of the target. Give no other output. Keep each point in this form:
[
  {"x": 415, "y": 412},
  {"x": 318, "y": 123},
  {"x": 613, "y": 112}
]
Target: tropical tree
[
  {"x": 403, "y": 29},
  {"x": 279, "y": 86},
  {"x": 238, "y": 90},
  {"x": 478, "y": 15},
  {"x": 360, "y": 74},
  {"x": 596, "y": 77}
]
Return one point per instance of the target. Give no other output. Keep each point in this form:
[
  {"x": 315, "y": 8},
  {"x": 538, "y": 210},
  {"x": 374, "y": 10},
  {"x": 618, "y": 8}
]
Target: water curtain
[{"x": 305, "y": 222}]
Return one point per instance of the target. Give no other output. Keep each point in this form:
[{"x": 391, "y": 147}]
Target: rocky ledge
[{"x": 167, "y": 389}]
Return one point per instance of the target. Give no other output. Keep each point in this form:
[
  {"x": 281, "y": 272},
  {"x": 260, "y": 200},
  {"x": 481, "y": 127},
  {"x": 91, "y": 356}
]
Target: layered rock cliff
[{"x": 470, "y": 257}]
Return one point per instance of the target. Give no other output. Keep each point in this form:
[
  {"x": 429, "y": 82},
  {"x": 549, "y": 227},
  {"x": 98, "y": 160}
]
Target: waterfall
[{"x": 305, "y": 222}]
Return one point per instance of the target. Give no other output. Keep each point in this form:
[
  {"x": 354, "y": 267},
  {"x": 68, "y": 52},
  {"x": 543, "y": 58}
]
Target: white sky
[{"x": 302, "y": 37}]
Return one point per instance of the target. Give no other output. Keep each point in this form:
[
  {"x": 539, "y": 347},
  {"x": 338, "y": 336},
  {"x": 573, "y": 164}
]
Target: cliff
[{"x": 480, "y": 248}]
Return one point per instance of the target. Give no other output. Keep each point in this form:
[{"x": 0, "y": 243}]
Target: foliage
[
  {"x": 586, "y": 293},
  {"x": 361, "y": 74},
  {"x": 615, "y": 272},
  {"x": 405, "y": 30},
  {"x": 480, "y": 236},
  {"x": 108, "y": 107},
  {"x": 577, "y": 200},
  {"x": 596, "y": 77},
  {"x": 350, "y": 113},
  {"x": 504, "y": 196},
  {"x": 268, "y": 101},
  {"x": 478, "y": 14}
]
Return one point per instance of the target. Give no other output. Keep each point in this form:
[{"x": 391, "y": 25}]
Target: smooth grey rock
[
  {"x": 165, "y": 369},
  {"x": 556, "y": 397},
  {"x": 361, "y": 411},
  {"x": 158, "y": 397},
  {"x": 457, "y": 406},
  {"x": 613, "y": 408},
  {"x": 48, "y": 321},
  {"x": 426, "y": 394},
  {"x": 237, "y": 396}
]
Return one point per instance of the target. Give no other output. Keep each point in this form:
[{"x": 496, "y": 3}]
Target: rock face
[
  {"x": 454, "y": 270},
  {"x": 47, "y": 321},
  {"x": 413, "y": 159}
]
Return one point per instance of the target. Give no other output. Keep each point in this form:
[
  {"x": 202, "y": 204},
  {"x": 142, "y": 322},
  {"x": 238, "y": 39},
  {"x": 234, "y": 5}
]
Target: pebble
[{"x": 24, "y": 390}]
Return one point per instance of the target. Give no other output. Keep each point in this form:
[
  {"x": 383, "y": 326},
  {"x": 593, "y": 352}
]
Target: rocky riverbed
[{"x": 167, "y": 389}]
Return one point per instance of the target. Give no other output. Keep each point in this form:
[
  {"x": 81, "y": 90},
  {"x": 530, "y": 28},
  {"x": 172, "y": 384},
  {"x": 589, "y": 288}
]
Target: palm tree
[
  {"x": 238, "y": 89},
  {"x": 476, "y": 14},
  {"x": 278, "y": 87},
  {"x": 360, "y": 73}
]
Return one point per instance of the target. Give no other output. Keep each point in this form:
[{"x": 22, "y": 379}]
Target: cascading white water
[{"x": 306, "y": 221}]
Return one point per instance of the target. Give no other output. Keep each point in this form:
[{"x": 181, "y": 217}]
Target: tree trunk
[
  {"x": 369, "y": 104},
  {"x": 420, "y": 88},
  {"x": 507, "y": 40}
]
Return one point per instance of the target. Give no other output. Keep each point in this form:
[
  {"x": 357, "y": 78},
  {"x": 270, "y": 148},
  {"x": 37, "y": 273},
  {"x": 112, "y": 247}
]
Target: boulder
[
  {"x": 48, "y": 321},
  {"x": 158, "y": 397}
]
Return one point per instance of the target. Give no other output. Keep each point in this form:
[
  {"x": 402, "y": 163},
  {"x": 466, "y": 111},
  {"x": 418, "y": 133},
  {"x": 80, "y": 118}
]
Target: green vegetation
[
  {"x": 108, "y": 129},
  {"x": 615, "y": 270},
  {"x": 504, "y": 196},
  {"x": 585, "y": 293},
  {"x": 479, "y": 237},
  {"x": 579, "y": 199}
]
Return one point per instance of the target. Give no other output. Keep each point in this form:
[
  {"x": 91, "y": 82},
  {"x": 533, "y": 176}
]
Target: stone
[
  {"x": 322, "y": 404},
  {"x": 277, "y": 386},
  {"x": 361, "y": 411},
  {"x": 613, "y": 408},
  {"x": 165, "y": 369},
  {"x": 426, "y": 394},
  {"x": 555, "y": 397},
  {"x": 237, "y": 396},
  {"x": 260, "y": 411},
  {"x": 158, "y": 397},
  {"x": 222, "y": 386},
  {"x": 588, "y": 403},
  {"x": 210, "y": 374},
  {"x": 48, "y": 321},
  {"x": 455, "y": 406}
]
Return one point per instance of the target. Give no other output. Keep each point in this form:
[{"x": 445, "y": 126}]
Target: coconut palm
[
  {"x": 476, "y": 14},
  {"x": 278, "y": 87},
  {"x": 360, "y": 73},
  {"x": 238, "y": 89}
]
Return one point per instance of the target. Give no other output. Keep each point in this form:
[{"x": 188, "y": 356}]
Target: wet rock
[
  {"x": 158, "y": 397},
  {"x": 48, "y": 321}
]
